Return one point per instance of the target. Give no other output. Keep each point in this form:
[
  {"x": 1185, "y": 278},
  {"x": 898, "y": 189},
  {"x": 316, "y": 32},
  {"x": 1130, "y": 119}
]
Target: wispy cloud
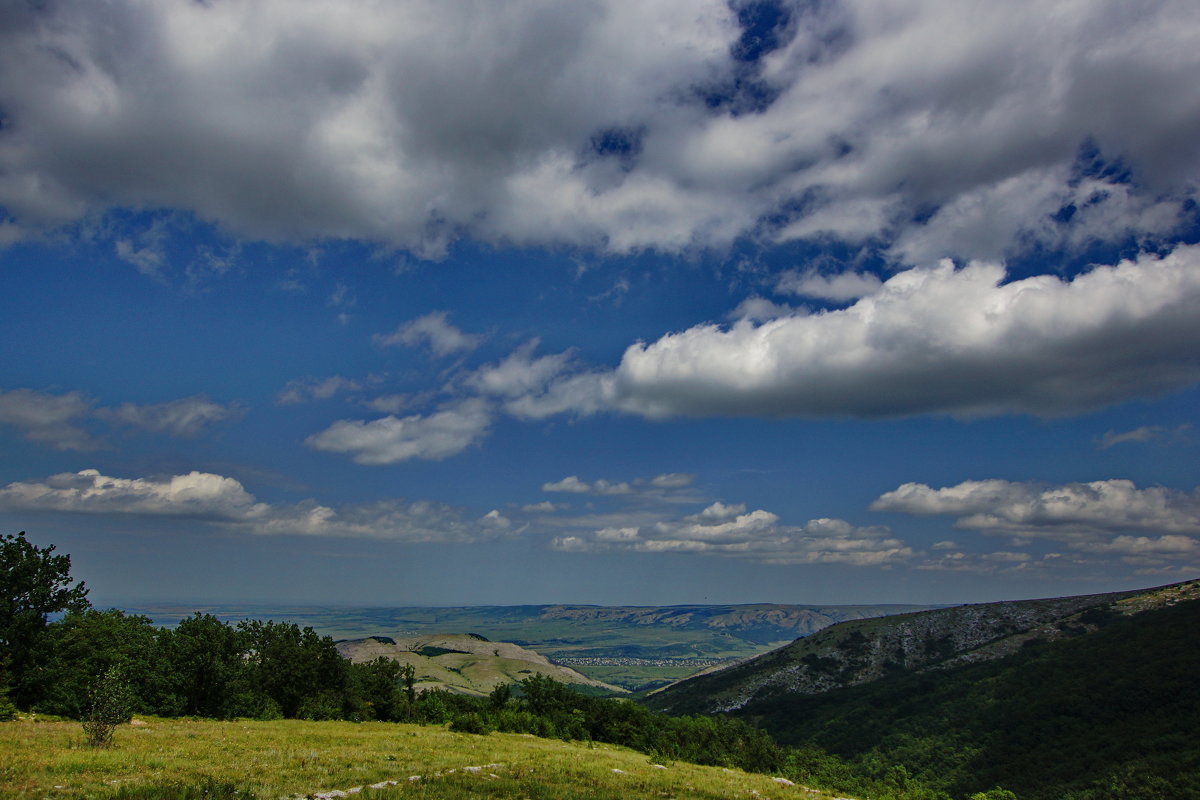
[
  {"x": 838, "y": 287},
  {"x": 392, "y": 439},
  {"x": 572, "y": 485},
  {"x": 733, "y": 532},
  {"x": 187, "y": 417},
  {"x": 1144, "y": 434},
  {"x": 48, "y": 418},
  {"x": 656, "y": 486},
  {"x": 305, "y": 389},
  {"x": 57, "y": 419},
  {"x": 432, "y": 330}
]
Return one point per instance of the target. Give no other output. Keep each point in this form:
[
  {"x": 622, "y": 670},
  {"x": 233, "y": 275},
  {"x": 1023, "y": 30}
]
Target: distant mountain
[
  {"x": 761, "y": 623},
  {"x": 463, "y": 663},
  {"x": 860, "y": 651},
  {"x": 1083, "y": 697}
]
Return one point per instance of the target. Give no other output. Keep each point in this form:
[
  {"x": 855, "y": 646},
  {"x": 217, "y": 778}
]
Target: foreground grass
[{"x": 162, "y": 758}]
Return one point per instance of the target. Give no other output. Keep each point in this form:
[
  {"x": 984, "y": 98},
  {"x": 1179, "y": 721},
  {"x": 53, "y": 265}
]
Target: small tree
[
  {"x": 500, "y": 695},
  {"x": 111, "y": 704}
]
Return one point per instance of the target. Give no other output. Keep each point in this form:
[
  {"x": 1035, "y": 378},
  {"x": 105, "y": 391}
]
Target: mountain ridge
[{"x": 862, "y": 651}]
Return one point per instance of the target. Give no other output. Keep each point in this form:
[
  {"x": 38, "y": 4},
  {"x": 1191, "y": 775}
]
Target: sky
[{"x": 465, "y": 303}]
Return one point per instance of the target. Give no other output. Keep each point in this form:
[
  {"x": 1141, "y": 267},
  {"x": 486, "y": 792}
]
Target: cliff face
[{"x": 861, "y": 651}]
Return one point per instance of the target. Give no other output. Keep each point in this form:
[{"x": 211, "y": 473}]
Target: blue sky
[{"x": 604, "y": 302}]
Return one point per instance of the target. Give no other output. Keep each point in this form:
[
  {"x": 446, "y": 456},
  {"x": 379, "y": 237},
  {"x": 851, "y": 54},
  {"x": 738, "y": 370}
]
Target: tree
[
  {"x": 34, "y": 583},
  {"x": 288, "y": 664},
  {"x": 80, "y": 646},
  {"x": 201, "y": 666}
]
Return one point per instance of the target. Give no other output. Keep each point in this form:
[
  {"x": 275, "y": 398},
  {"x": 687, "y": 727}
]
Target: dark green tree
[
  {"x": 81, "y": 646},
  {"x": 34, "y": 583},
  {"x": 201, "y": 664},
  {"x": 378, "y": 684},
  {"x": 289, "y": 666}
]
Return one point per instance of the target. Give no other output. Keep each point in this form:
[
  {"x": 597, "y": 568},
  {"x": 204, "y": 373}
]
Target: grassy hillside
[
  {"x": 161, "y": 758},
  {"x": 463, "y": 663}
]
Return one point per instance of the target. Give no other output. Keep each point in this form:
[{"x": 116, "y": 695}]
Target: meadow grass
[{"x": 170, "y": 758}]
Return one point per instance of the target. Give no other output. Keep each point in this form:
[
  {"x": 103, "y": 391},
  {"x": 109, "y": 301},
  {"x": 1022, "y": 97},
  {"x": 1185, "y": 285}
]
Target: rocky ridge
[{"x": 861, "y": 651}]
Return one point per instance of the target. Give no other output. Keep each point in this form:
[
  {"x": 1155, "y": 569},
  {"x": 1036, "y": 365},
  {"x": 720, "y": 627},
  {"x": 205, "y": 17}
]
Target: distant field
[
  {"x": 159, "y": 758},
  {"x": 653, "y": 645}
]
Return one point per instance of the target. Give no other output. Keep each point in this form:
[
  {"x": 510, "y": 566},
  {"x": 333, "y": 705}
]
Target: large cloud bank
[
  {"x": 935, "y": 126},
  {"x": 929, "y": 340},
  {"x": 938, "y": 340}
]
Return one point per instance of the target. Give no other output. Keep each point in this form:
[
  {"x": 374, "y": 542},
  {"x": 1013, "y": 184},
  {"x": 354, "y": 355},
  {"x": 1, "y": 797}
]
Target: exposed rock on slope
[
  {"x": 862, "y": 651},
  {"x": 464, "y": 663}
]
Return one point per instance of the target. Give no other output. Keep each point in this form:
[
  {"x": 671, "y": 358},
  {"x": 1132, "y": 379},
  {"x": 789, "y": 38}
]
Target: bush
[
  {"x": 7, "y": 710},
  {"x": 111, "y": 704},
  {"x": 471, "y": 722}
]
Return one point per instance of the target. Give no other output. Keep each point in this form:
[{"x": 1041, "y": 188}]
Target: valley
[{"x": 636, "y": 648}]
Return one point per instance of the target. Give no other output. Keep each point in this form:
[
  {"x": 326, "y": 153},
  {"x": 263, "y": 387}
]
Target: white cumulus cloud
[
  {"x": 196, "y": 494},
  {"x": 937, "y": 340}
]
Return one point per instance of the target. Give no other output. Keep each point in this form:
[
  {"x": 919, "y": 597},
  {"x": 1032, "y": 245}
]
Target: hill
[
  {"x": 464, "y": 663},
  {"x": 636, "y": 647},
  {"x": 175, "y": 759},
  {"x": 862, "y": 651},
  {"x": 1083, "y": 698}
]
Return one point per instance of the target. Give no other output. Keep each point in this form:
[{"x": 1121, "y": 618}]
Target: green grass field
[{"x": 160, "y": 758}]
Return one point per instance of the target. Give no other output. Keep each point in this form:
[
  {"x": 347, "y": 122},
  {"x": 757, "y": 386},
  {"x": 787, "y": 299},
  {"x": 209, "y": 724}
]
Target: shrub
[
  {"x": 471, "y": 722},
  {"x": 7, "y": 710},
  {"x": 111, "y": 702}
]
